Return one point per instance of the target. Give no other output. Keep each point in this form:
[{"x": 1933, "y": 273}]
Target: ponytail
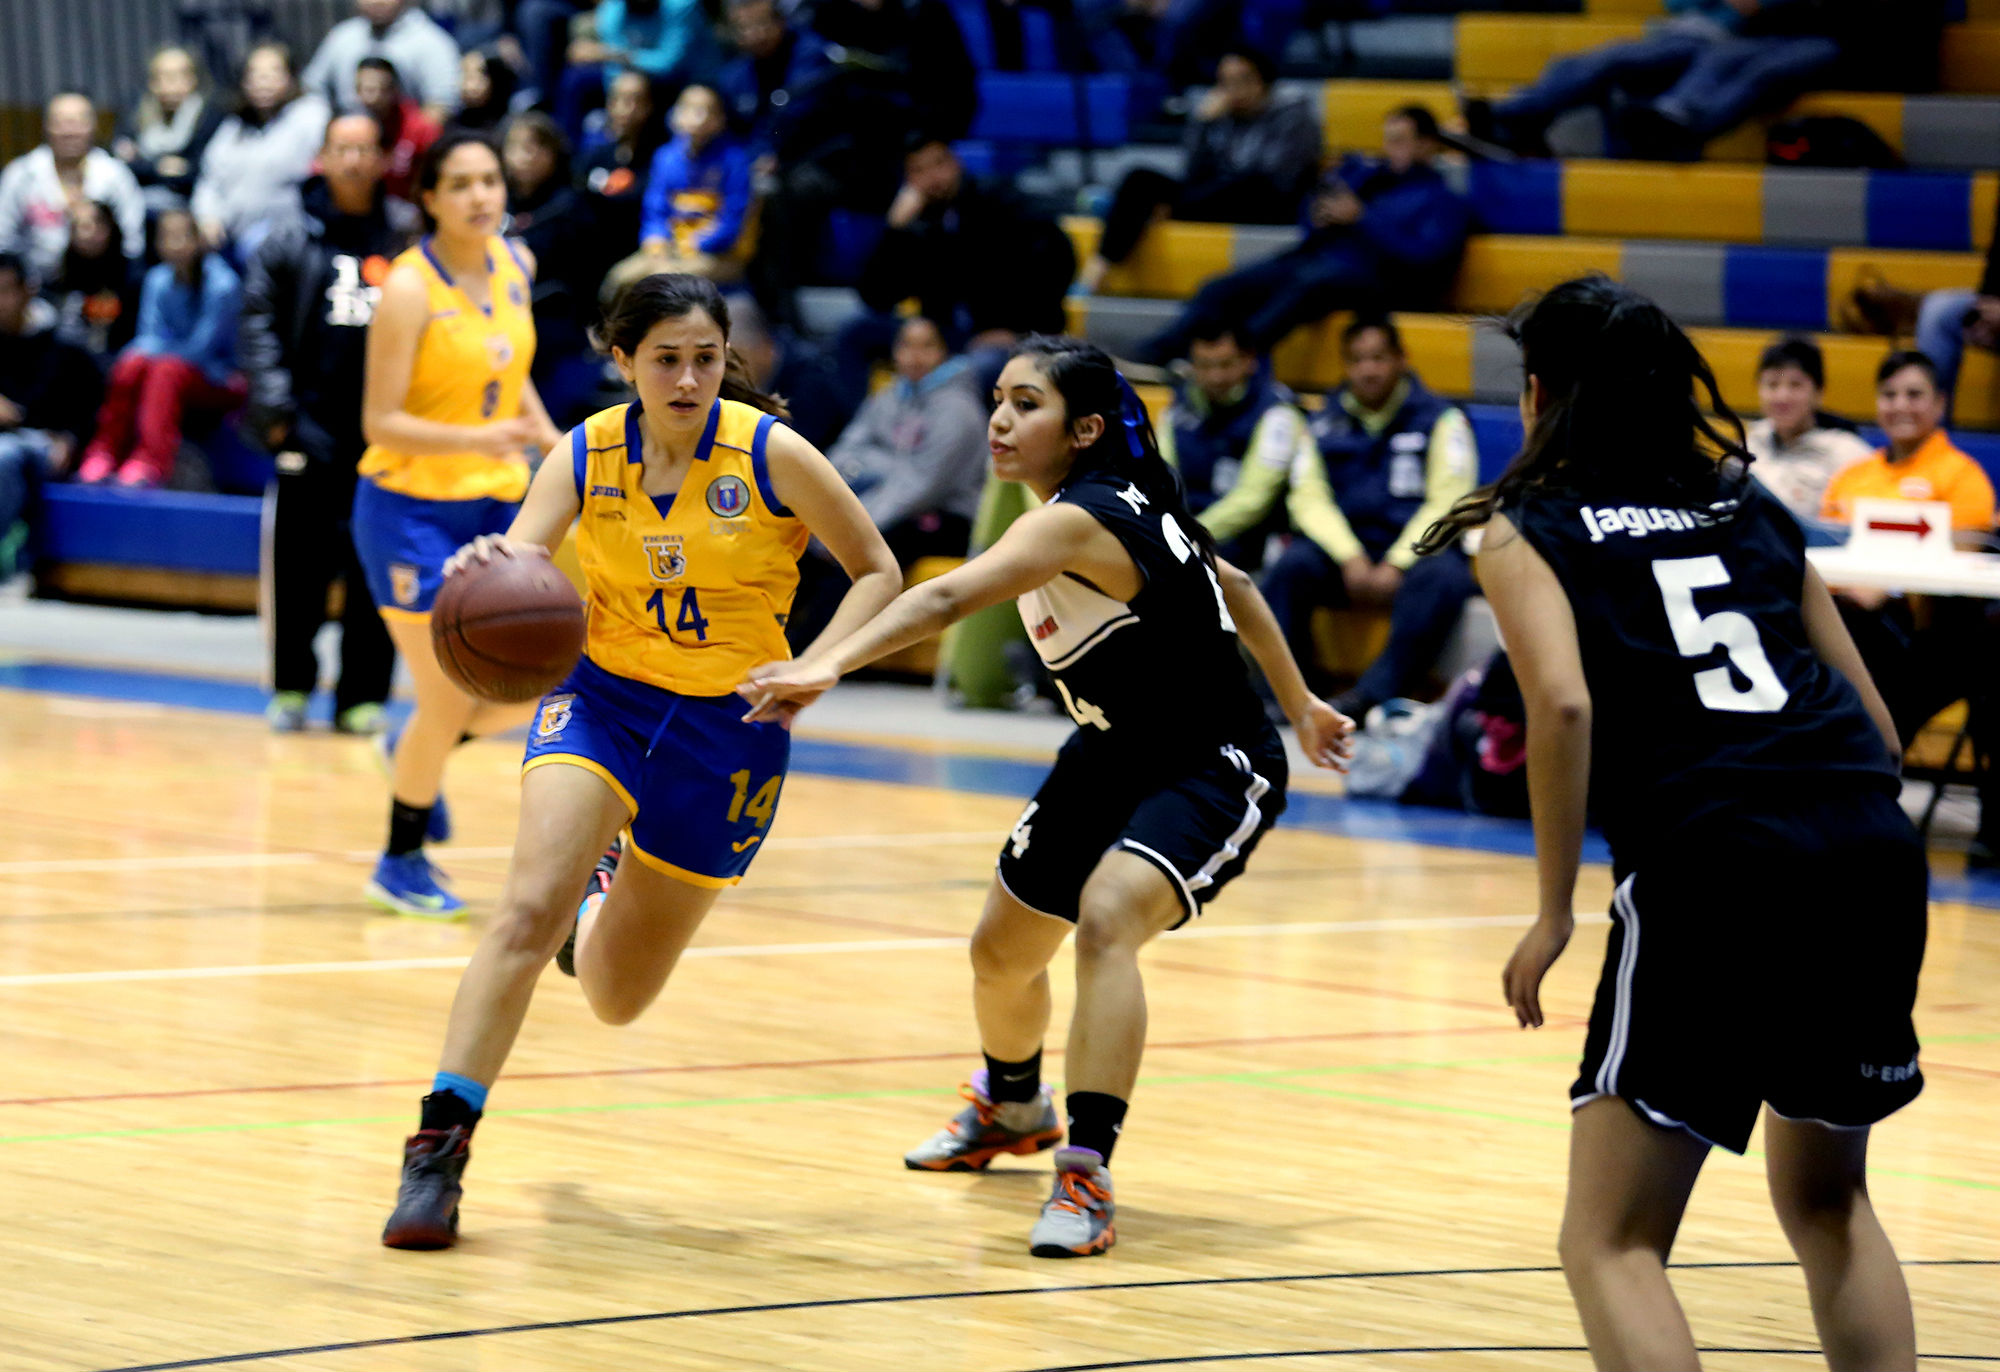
[
  {"x": 1091, "y": 384},
  {"x": 737, "y": 386}
]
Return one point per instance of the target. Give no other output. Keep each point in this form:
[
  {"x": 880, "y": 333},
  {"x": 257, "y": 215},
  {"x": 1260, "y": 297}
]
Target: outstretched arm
[{"x": 1035, "y": 548}]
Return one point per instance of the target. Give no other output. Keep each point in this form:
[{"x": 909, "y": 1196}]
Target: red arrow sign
[{"x": 1922, "y": 528}]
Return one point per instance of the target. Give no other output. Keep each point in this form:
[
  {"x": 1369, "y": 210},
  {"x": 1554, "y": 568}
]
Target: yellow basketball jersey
[
  {"x": 686, "y": 592},
  {"x": 471, "y": 368}
]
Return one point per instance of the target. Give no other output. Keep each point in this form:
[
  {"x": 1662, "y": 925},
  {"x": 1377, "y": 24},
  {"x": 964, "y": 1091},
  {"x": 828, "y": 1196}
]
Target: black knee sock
[
  {"x": 1094, "y": 1122},
  {"x": 406, "y": 827},
  {"x": 1014, "y": 1081},
  {"x": 447, "y": 1110}
]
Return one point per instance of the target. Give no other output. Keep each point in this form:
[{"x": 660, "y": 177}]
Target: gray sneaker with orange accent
[
  {"x": 984, "y": 1130},
  {"x": 1077, "y": 1220}
]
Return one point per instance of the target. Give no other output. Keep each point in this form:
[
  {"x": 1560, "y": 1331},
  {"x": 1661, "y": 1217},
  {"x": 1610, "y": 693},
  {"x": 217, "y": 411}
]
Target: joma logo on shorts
[{"x": 1889, "y": 1073}]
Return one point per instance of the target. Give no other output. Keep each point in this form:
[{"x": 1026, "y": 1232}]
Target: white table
[{"x": 1961, "y": 574}]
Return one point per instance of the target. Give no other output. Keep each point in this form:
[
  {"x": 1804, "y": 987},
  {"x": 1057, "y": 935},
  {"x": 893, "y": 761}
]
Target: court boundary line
[
  {"x": 1189, "y": 1360},
  {"x": 920, "y": 1297}
]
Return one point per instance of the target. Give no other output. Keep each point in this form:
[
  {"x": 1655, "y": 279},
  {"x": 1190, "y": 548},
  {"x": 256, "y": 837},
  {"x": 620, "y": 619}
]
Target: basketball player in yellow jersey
[
  {"x": 694, "y": 507},
  {"x": 451, "y": 418}
]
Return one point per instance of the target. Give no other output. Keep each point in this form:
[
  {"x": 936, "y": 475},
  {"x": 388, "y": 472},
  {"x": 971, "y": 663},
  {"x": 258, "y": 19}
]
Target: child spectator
[
  {"x": 163, "y": 136},
  {"x": 698, "y": 196},
  {"x": 184, "y": 358},
  {"x": 662, "y": 38},
  {"x": 1798, "y": 449},
  {"x": 407, "y": 132},
  {"x": 550, "y": 218},
  {"x": 258, "y": 158},
  {"x": 96, "y": 291}
]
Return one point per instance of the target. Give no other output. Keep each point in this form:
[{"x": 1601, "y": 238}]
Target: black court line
[
  {"x": 913, "y": 1298},
  {"x": 1449, "y": 1348}
]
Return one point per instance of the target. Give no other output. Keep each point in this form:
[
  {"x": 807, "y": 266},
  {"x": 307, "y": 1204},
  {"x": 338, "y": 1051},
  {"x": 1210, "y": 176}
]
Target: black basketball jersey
[
  {"x": 1704, "y": 685},
  {"x": 1159, "y": 678}
]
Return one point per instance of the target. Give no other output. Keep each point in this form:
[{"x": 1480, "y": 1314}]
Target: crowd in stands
[{"x": 217, "y": 261}]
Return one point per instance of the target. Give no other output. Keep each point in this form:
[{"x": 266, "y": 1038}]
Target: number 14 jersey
[
  {"x": 1159, "y": 678},
  {"x": 1704, "y": 685}
]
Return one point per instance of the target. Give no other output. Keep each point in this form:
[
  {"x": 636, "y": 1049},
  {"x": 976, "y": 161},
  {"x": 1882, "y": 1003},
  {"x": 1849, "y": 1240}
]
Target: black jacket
[
  {"x": 56, "y": 384},
  {"x": 982, "y": 260},
  {"x": 309, "y": 293}
]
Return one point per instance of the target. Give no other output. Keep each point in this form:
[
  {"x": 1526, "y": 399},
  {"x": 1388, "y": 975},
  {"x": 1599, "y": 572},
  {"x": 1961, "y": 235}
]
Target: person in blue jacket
[
  {"x": 183, "y": 357},
  {"x": 1383, "y": 234},
  {"x": 698, "y": 197}
]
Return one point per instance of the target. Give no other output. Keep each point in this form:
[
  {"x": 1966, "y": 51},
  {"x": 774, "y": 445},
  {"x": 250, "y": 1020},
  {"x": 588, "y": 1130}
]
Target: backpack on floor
[{"x": 1829, "y": 140}]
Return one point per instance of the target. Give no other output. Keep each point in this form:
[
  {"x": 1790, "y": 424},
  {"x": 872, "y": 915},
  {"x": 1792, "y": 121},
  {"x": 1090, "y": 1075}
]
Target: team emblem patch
[
  {"x": 728, "y": 497},
  {"x": 664, "y": 558},
  {"x": 404, "y": 583},
  {"x": 554, "y": 717},
  {"x": 514, "y": 295},
  {"x": 499, "y": 349}
]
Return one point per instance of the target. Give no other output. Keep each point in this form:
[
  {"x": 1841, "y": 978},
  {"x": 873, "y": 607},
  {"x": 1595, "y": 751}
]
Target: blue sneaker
[
  {"x": 439, "y": 829},
  {"x": 408, "y": 884}
]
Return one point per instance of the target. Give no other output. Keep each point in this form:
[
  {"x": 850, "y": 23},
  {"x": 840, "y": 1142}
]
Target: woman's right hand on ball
[
  {"x": 506, "y": 437},
  {"x": 486, "y": 547}
]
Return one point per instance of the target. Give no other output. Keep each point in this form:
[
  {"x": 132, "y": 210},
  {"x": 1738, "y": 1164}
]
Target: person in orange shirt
[{"x": 1948, "y": 648}]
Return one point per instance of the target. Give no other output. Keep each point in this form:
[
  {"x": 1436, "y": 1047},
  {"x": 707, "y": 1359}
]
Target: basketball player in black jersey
[
  {"x": 1156, "y": 801},
  {"x": 1687, "y": 676}
]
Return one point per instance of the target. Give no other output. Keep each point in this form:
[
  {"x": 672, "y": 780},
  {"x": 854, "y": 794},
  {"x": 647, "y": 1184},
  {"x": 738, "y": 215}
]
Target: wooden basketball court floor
[{"x": 1342, "y": 1154}]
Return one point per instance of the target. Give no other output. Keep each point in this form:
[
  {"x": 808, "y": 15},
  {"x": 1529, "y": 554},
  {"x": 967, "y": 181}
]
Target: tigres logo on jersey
[
  {"x": 664, "y": 556},
  {"x": 554, "y": 717}
]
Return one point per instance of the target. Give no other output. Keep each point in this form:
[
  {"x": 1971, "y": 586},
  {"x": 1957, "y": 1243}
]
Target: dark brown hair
[{"x": 675, "y": 295}]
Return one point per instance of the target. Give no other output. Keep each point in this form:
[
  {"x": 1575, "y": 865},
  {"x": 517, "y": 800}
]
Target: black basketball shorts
[
  {"x": 1197, "y": 827},
  {"x": 1767, "y": 954}
]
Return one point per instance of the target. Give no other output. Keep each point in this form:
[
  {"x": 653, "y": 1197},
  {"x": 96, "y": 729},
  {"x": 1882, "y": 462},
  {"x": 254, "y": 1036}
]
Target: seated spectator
[
  {"x": 184, "y": 358},
  {"x": 486, "y": 86},
  {"x": 666, "y": 39},
  {"x": 916, "y": 450},
  {"x": 1603, "y": 77},
  {"x": 407, "y": 132},
  {"x": 977, "y": 259},
  {"x": 775, "y": 62},
  {"x": 1946, "y": 322},
  {"x": 1250, "y": 160},
  {"x": 96, "y": 292},
  {"x": 542, "y": 28},
  {"x": 48, "y": 395},
  {"x": 1031, "y": 35},
  {"x": 549, "y": 216},
  {"x": 1235, "y": 433},
  {"x": 37, "y": 187},
  {"x": 1392, "y": 457},
  {"x": 1781, "y": 50},
  {"x": 1927, "y": 656},
  {"x": 1385, "y": 234},
  {"x": 916, "y": 455},
  {"x": 258, "y": 158},
  {"x": 698, "y": 197},
  {"x": 780, "y": 362},
  {"x": 423, "y": 54},
  {"x": 613, "y": 173},
  {"x": 1798, "y": 448},
  {"x": 162, "y": 137}
]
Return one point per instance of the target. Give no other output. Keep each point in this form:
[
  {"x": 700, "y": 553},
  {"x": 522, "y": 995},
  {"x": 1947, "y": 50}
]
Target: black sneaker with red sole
[{"x": 426, "y": 1215}]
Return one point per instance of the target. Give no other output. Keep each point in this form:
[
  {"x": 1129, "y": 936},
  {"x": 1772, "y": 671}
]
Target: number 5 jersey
[{"x": 1705, "y": 688}]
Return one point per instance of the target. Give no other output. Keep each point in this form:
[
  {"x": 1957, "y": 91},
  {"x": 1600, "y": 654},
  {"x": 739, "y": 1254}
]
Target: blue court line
[{"x": 1380, "y": 820}]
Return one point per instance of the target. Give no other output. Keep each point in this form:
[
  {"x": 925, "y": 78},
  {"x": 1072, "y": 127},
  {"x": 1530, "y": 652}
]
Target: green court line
[{"x": 167, "y": 1130}]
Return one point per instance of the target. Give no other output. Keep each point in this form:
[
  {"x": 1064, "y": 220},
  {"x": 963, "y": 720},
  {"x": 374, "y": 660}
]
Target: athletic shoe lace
[{"x": 1080, "y": 1194}]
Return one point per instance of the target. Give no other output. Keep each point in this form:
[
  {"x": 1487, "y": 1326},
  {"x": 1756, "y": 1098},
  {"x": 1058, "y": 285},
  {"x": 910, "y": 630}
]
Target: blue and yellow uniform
[
  {"x": 686, "y": 593},
  {"x": 413, "y": 511}
]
